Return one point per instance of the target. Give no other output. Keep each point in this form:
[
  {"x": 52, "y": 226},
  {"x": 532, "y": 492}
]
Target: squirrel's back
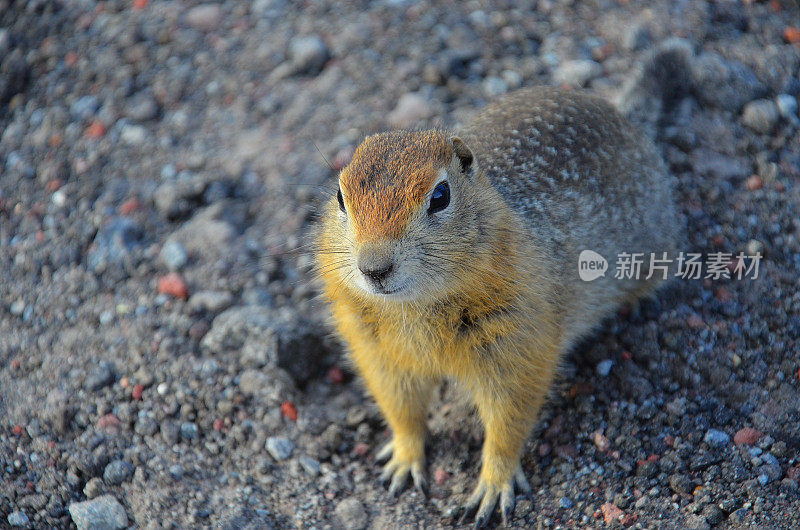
[{"x": 581, "y": 177}]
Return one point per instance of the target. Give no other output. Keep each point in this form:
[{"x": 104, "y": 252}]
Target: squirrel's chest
[{"x": 446, "y": 343}]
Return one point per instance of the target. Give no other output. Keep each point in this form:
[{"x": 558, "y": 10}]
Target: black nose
[{"x": 377, "y": 274}]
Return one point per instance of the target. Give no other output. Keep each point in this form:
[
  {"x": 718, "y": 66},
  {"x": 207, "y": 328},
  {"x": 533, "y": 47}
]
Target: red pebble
[
  {"x": 336, "y": 375},
  {"x": 129, "y": 206},
  {"x": 723, "y": 294},
  {"x": 440, "y": 476},
  {"x": 173, "y": 285},
  {"x": 792, "y": 35},
  {"x": 626, "y": 356},
  {"x": 53, "y": 185},
  {"x": 138, "y": 390},
  {"x": 747, "y": 436},
  {"x": 695, "y": 322},
  {"x": 70, "y": 58},
  {"x": 629, "y": 519},
  {"x": 611, "y": 513},
  {"x": 754, "y": 183},
  {"x": 139, "y": 4},
  {"x": 15, "y": 364},
  {"x": 601, "y": 441},
  {"x": 289, "y": 410},
  {"x": 219, "y": 424},
  {"x": 96, "y": 129},
  {"x": 109, "y": 421},
  {"x": 361, "y": 449},
  {"x": 17, "y": 429}
]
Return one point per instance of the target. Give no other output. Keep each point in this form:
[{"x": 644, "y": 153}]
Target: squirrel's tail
[{"x": 662, "y": 79}]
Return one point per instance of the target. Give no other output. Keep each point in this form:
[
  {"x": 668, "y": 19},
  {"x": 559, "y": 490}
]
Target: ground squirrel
[{"x": 449, "y": 256}]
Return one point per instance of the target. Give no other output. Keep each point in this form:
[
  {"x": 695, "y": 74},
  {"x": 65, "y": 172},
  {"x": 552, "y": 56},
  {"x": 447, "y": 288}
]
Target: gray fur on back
[{"x": 582, "y": 177}]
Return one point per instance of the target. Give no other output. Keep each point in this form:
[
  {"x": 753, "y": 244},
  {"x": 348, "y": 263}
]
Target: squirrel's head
[{"x": 406, "y": 220}]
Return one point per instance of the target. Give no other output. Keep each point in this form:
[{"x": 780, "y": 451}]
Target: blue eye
[{"x": 440, "y": 198}]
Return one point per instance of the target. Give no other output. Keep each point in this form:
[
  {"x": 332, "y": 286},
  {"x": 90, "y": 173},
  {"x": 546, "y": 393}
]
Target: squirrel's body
[{"x": 448, "y": 262}]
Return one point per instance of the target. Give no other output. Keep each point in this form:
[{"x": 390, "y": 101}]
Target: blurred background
[{"x": 164, "y": 359}]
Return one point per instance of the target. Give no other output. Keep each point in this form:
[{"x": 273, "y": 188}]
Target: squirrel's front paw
[
  {"x": 484, "y": 498},
  {"x": 404, "y": 457}
]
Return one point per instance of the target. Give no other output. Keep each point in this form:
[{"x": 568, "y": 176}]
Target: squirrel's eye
[
  {"x": 440, "y": 198},
  {"x": 341, "y": 199}
]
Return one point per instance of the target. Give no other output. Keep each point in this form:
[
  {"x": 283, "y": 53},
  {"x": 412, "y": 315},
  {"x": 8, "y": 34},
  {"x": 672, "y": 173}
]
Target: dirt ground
[{"x": 165, "y": 361}]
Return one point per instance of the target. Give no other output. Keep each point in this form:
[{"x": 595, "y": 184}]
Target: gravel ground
[{"x": 164, "y": 359}]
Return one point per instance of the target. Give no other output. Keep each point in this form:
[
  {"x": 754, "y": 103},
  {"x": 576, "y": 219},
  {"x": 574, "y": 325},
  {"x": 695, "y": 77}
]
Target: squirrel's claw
[
  {"x": 522, "y": 483},
  {"x": 485, "y": 496},
  {"x": 385, "y": 453},
  {"x": 396, "y": 472}
]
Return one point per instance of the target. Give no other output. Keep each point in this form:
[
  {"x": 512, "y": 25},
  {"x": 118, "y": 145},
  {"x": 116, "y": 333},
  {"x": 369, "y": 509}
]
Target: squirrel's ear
[{"x": 463, "y": 153}]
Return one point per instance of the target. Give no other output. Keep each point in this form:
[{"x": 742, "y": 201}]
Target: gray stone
[
  {"x": 207, "y": 233},
  {"x": 173, "y": 255},
  {"x": 84, "y": 107},
  {"x": 211, "y": 301},
  {"x": 102, "y": 513},
  {"x": 94, "y": 488},
  {"x": 761, "y": 115},
  {"x": 577, "y": 73},
  {"x": 351, "y": 514},
  {"x": 279, "y": 447},
  {"x": 565, "y": 502},
  {"x": 727, "y": 84},
  {"x": 133, "y": 134},
  {"x": 411, "y": 109},
  {"x": 716, "y": 438},
  {"x": 271, "y": 338},
  {"x": 309, "y": 465},
  {"x": 494, "y": 86},
  {"x": 189, "y": 431},
  {"x": 206, "y": 17},
  {"x": 117, "y": 472},
  {"x": 141, "y": 107},
  {"x": 18, "y": 307},
  {"x": 18, "y": 519},
  {"x": 604, "y": 367},
  {"x": 100, "y": 376},
  {"x": 787, "y": 106},
  {"x": 308, "y": 54},
  {"x": 176, "y": 471},
  {"x": 113, "y": 244}
]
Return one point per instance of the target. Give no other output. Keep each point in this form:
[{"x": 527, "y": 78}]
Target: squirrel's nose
[{"x": 377, "y": 273}]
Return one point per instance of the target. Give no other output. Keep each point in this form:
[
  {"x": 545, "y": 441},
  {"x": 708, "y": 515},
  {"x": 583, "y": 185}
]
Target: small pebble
[
  {"x": 716, "y": 438},
  {"x": 103, "y": 512},
  {"x": 577, "y": 73},
  {"x": 205, "y": 17},
  {"x": 279, "y": 447},
  {"x": 565, "y": 503},
  {"x": 787, "y": 106},
  {"x": 309, "y": 465},
  {"x": 604, "y": 367},
  {"x": 189, "y": 431},
  {"x": 117, "y": 472},
  {"x": 747, "y": 436},
  {"x": 351, "y": 514},
  {"x": 308, "y": 54},
  {"x": 761, "y": 115},
  {"x": 173, "y": 285},
  {"x": 18, "y": 519},
  {"x": 173, "y": 255}
]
